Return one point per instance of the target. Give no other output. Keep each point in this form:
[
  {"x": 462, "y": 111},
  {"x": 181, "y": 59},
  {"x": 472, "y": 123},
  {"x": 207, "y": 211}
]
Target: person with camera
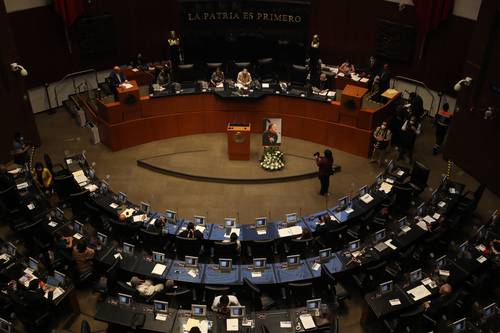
[{"x": 325, "y": 170}]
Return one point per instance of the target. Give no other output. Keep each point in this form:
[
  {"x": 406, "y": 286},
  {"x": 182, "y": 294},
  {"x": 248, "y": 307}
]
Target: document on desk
[
  {"x": 436, "y": 216},
  {"x": 80, "y": 176},
  {"x": 256, "y": 274},
  {"x": 400, "y": 173},
  {"x": 139, "y": 218},
  {"x": 200, "y": 228},
  {"x": 367, "y": 198},
  {"x": 389, "y": 244},
  {"x": 307, "y": 321},
  {"x": 481, "y": 259},
  {"x": 114, "y": 205},
  {"x": 419, "y": 292},
  {"x": 233, "y": 230},
  {"x": 192, "y": 272},
  {"x": 201, "y": 324},
  {"x": 340, "y": 74},
  {"x": 316, "y": 266},
  {"x": 22, "y": 185},
  {"x": 161, "y": 317},
  {"x": 128, "y": 212},
  {"x": 31, "y": 206},
  {"x": 285, "y": 324},
  {"x": 395, "y": 302},
  {"x": 265, "y": 85},
  {"x": 261, "y": 231},
  {"x": 290, "y": 231},
  {"x": 385, "y": 187},
  {"x": 364, "y": 80},
  {"x": 405, "y": 228},
  {"x": 91, "y": 187},
  {"x": 159, "y": 269},
  {"x": 349, "y": 210},
  {"x": 77, "y": 236},
  {"x": 429, "y": 219},
  {"x": 232, "y": 324},
  {"x": 57, "y": 293},
  {"x": 442, "y": 204},
  {"x": 422, "y": 225}
]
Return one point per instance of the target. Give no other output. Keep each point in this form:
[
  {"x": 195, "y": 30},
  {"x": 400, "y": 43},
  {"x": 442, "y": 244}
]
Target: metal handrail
[
  {"x": 73, "y": 76},
  {"x": 417, "y": 84}
]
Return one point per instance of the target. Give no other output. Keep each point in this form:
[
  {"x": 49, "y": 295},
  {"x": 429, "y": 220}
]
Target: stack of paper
[
  {"x": 159, "y": 269},
  {"x": 91, "y": 187},
  {"x": 364, "y": 80},
  {"x": 367, "y": 198},
  {"x": 261, "y": 231},
  {"x": 80, "y": 176},
  {"x": 161, "y": 316},
  {"x": 140, "y": 218},
  {"x": 307, "y": 321},
  {"x": 22, "y": 186},
  {"x": 385, "y": 187},
  {"x": 419, "y": 292},
  {"x": 422, "y": 225},
  {"x": 114, "y": 205},
  {"x": 232, "y": 324},
  {"x": 291, "y": 231},
  {"x": 429, "y": 219},
  {"x": 200, "y": 228}
]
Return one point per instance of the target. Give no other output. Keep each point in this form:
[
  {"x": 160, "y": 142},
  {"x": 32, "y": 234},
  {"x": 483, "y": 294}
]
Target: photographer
[{"x": 325, "y": 170}]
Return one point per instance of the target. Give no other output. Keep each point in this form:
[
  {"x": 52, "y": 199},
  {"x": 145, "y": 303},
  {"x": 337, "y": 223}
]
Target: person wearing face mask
[
  {"x": 42, "y": 177},
  {"x": 20, "y": 149},
  {"x": 382, "y": 135},
  {"x": 409, "y": 133}
]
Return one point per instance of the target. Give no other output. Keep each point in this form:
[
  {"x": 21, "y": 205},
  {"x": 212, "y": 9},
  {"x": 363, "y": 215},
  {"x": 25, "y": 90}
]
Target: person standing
[
  {"x": 20, "y": 149},
  {"x": 442, "y": 121},
  {"x": 217, "y": 77},
  {"x": 314, "y": 57},
  {"x": 174, "y": 42},
  {"x": 325, "y": 170},
  {"x": 408, "y": 138},
  {"x": 42, "y": 177},
  {"x": 382, "y": 135}
]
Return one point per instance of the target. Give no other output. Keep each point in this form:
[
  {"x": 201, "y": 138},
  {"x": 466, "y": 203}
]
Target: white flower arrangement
[{"x": 272, "y": 159}]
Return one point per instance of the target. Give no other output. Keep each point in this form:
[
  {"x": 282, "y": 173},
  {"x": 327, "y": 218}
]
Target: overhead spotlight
[
  {"x": 464, "y": 82},
  {"x": 16, "y": 68}
]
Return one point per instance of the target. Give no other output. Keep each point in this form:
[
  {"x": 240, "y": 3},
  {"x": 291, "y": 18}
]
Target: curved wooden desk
[{"x": 150, "y": 119}]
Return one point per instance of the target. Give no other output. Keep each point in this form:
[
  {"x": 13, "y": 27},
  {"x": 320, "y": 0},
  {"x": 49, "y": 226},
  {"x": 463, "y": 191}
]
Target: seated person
[
  {"x": 42, "y": 177},
  {"x": 347, "y": 68},
  {"x": 306, "y": 234},
  {"x": 158, "y": 225},
  {"x": 116, "y": 77},
  {"x": 170, "y": 286},
  {"x": 222, "y": 303},
  {"x": 145, "y": 287},
  {"x": 217, "y": 77},
  {"x": 83, "y": 256},
  {"x": 244, "y": 78},
  {"x": 34, "y": 298},
  {"x": 195, "y": 329},
  {"x": 323, "y": 85},
  {"x": 62, "y": 242},
  {"x": 164, "y": 78},
  {"x": 434, "y": 307},
  {"x": 233, "y": 238},
  {"x": 191, "y": 232}
]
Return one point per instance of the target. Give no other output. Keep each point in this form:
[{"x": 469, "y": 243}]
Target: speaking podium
[{"x": 238, "y": 141}]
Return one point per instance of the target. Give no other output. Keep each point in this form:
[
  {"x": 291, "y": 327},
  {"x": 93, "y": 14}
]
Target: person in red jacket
[{"x": 325, "y": 170}]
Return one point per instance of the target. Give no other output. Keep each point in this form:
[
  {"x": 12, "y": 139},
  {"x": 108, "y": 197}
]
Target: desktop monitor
[
  {"x": 403, "y": 221},
  {"x": 291, "y": 219},
  {"x": 78, "y": 227},
  {"x": 160, "y": 306},
  {"x": 390, "y": 167},
  {"x": 59, "y": 277},
  {"x": 363, "y": 190},
  {"x": 5, "y": 326},
  {"x": 33, "y": 263},
  {"x": 237, "y": 311},
  {"x": 199, "y": 220},
  {"x": 343, "y": 202},
  {"x": 463, "y": 247},
  {"x": 225, "y": 265},
  {"x": 440, "y": 262},
  {"x": 144, "y": 207},
  {"x": 354, "y": 245},
  {"x": 103, "y": 187},
  {"x": 102, "y": 238},
  {"x": 230, "y": 222},
  {"x": 124, "y": 299},
  {"x": 416, "y": 276},
  {"x": 122, "y": 198},
  {"x": 261, "y": 222},
  {"x": 421, "y": 209},
  {"x": 379, "y": 179},
  {"x": 293, "y": 260},
  {"x": 128, "y": 248},
  {"x": 380, "y": 235},
  {"x": 52, "y": 281},
  {"x": 11, "y": 249},
  {"x": 198, "y": 310},
  {"x": 259, "y": 263},
  {"x": 171, "y": 216},
  {"x": 489, "y": 310},
  {"x": 458, "y": 326},
  {"x": 313, "y": 304},
  {"x": 325, "y": 254},
  {"x": 158, "y": 257},
  {"x": 191, "y": 261},
  {"x": 386, "y": 287},
  {"x": 59, "y": 213}
]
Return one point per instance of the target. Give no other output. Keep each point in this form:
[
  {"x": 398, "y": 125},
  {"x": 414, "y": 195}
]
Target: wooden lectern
[
  {"x": 238, "y": 141},
  {"x": 351, "y": 101},
  {"x": 129, "y": 97}
]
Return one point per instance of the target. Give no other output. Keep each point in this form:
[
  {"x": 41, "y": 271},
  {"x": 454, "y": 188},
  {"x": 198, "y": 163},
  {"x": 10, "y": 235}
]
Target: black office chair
[
  {"x": 11, "y": 199},
  {"x": 469, "y": 201},
  {"x": 335, "y": 238},
  {"x": 300, "y": 292},
  {"x": 152, "y": 240},
  {"x": 180, "y": 299},
  {"x": 77, "y": 202},
  {"x": 185, "y": 74},
  {"x": 265, "y": 71},
  {"x": 262, "y": 249},
  {"x": 34, "y": 319},
  {"x": 370, "y": 276},
  {"x": 225, "y": 250},
  {"x": 260, "y": 301},
  {"x": 337, "y": 291},
  {"x": 298, "y": 246},
  {"x": 187, "y": 247},
  {"x": 418, "y": 178},
  {"x": 65, "y": 185},
  {"x": 403, "y": 198},
  {"x": 360, "y": 229},
  {"x": 299, "y": 75},
  {"x": 124, "y": 231},
  {"x": 210, "y": 292}
]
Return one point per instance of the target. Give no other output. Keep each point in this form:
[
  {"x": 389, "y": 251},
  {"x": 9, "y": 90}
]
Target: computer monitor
[
  {"x": 52, "y": 281},
  {"x": 199, "y": 220},
  {"x": 191, "y": 261},
  {"x": 421, "y": 209},
  {"x": 128, "y": 248},
  {"x": 225, "y": 264},
  {"x": 144, "y": 207},
  {"x": 124, "y": 299},
  {"x": 158, "y": 257},
  {"x": 403, "y": 221},
  {"x": 343, "y": 202},
  {"x": 416, "y": 276},
  {"x": 386, "y": 287},
  {"x": 291, "y": 219},
  {"x": 5, "y": 326},
  {"x": 390, "y": 167},
  {"x": 293, "y": 260},
  {"x": 463, "y": 247},
  {"x": 489, "y": 311},
  {"x": 237, "y": 311},
  {"x": 261, "y": 222},
  {"x": 78, "y": 227},
  {"x": 363, "y": 190},
  {"x": 160, "y": 306},
  {"x": 33, "y": 263},
  {"x": 122, "y": 198},
  {"x": 103, "y": 187},
  {"x": 229, "y": 222},
  {"x": 60, "y": 277},
  {"x": 259, "y": 263},
  {"x": 313, "y": 305},
  {"x": 198, "y": 310},
  {"x": 440, "y": 262},
  {"x": 102, "y": 238},
  {"x": 59, "y": 213},
  {"x": 354, "y": 245},
  {"x": 458, "y": 326},
  {"x": 325, "y": 254},
  {"x": 11, "y": 249},
  {"x": 171, "y": 216},
  {"x": 379, "y": 179},
  {"x": 380, "y": 235}
]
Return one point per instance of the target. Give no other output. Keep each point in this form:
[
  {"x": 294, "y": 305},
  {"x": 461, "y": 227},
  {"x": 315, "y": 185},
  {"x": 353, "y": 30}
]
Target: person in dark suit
[
  {"x": 417, "y": 105},
  {"x": 115, "y": 78},
  {"x": 191, "y": 232},
  {"x": 434, "y": 307},
  {"x": 34, "y": 298},
  {"x": 325, "y": 170}
]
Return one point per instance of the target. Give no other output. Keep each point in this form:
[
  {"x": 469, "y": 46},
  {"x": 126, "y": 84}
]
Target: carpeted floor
[{"x": 60, "y": 136}]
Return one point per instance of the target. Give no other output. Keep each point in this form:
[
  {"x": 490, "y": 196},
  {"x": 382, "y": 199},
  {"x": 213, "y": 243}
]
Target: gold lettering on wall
[{"x": 245, "y": 16}]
